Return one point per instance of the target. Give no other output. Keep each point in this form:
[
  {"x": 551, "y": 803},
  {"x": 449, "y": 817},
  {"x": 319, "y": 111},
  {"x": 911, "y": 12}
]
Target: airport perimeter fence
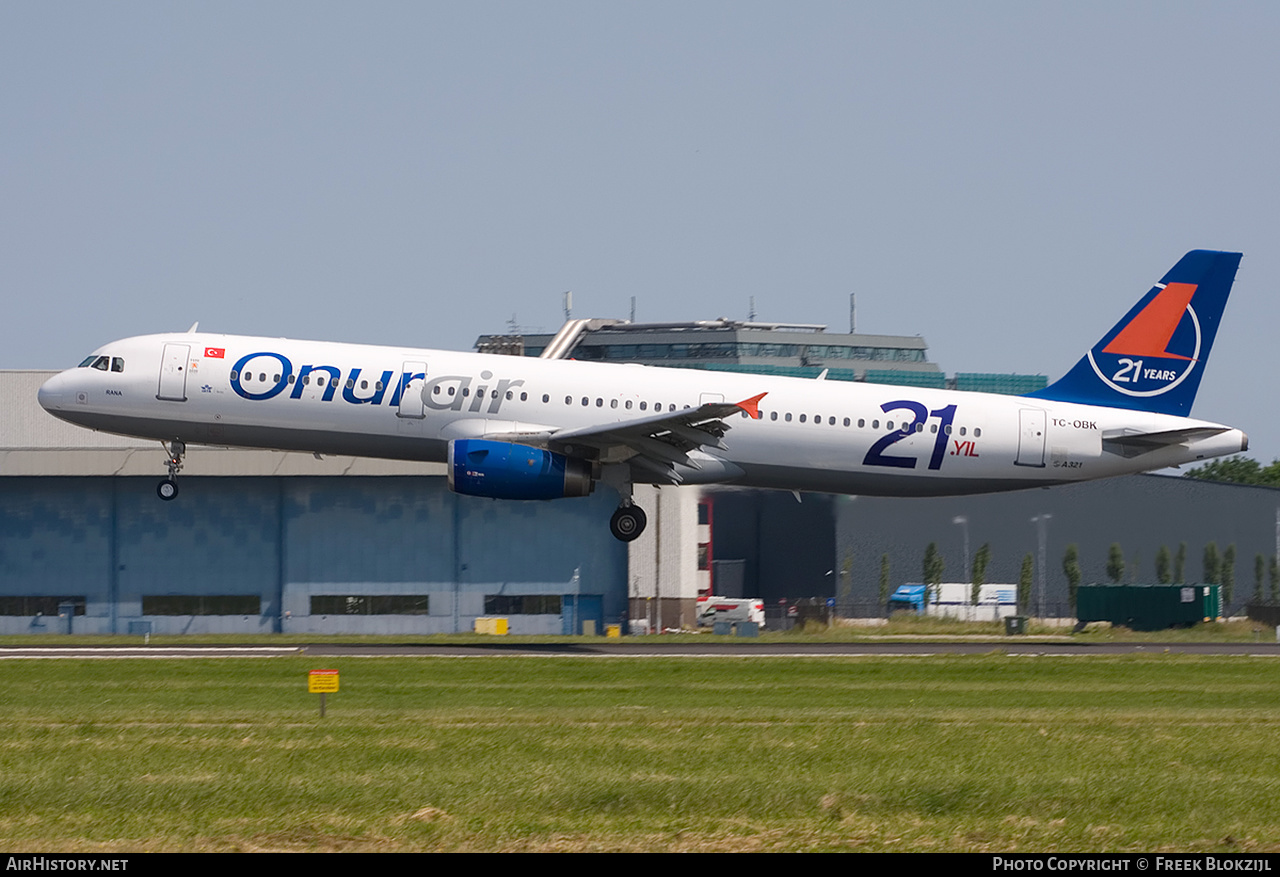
[{"x": 797, "y": 613}]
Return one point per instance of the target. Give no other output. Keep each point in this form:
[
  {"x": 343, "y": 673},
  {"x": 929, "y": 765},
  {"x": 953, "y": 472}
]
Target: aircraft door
[
  {"x": 173, "y": 373},
  {"x": 414, "y": 378},
  {"x": 1031, "y": 438}
]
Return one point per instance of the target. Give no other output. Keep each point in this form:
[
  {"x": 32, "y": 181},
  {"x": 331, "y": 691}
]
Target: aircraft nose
[{"x": 53, "y": 393}]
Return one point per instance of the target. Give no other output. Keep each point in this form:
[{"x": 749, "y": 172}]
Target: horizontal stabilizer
[{"x": 1137, "y": 444}]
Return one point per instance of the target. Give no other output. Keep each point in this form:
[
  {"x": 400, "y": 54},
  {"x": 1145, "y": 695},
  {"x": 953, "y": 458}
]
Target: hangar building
[{"x": 262, "y": 541}]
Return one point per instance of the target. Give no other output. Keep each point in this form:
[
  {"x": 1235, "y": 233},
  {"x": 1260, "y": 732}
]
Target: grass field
[{"x": 989, "y": 753}]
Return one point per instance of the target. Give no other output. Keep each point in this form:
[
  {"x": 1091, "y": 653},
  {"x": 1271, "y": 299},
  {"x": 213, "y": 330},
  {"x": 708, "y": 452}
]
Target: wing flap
[{"x": 659, "y": 442}]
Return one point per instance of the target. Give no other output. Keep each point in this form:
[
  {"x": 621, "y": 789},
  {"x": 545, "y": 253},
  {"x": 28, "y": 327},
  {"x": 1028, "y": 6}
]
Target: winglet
[{"x": 752, "y": 405}]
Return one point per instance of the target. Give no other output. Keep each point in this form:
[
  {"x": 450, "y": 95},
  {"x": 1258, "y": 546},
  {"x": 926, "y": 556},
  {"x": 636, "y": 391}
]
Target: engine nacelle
[{"x": 502, "y": 470}]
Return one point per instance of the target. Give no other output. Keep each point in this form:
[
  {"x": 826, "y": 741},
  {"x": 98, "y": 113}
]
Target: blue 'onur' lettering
[{"x": 442, "y": 393}]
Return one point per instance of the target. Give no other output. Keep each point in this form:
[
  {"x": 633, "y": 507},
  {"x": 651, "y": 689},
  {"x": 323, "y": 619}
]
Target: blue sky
[{"x": 1003, "y": 178}]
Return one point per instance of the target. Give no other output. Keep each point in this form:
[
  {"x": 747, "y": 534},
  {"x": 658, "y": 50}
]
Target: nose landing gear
[{"x": 168, "y": 488}]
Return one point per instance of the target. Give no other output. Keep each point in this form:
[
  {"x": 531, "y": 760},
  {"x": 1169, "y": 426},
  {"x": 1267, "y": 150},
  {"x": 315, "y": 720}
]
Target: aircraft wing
[
  {"x": 1130, "y": 444},
  {"x": 660, "y": 442}
]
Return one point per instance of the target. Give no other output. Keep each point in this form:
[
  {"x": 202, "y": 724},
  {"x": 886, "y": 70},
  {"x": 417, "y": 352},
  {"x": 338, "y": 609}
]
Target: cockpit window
[{"x": 103, "y": 363}]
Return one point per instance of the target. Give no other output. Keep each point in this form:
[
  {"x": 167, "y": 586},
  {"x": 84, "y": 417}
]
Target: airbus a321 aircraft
[{"x": 523, "y": 428}]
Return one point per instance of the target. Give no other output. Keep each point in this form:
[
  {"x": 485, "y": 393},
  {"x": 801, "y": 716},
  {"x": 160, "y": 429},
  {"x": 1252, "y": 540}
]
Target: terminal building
[
  {"x": 789, "y": 349},
  {"x": 264, "y": 541}
]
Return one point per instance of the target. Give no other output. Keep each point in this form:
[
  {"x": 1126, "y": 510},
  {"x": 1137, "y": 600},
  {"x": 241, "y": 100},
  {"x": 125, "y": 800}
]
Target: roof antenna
[
  {"x": 194, "y": 326},
  {"x": 633, "y": 308},
  {"x": 568, "y": 305},
  {"x": 751, "y": 309}
]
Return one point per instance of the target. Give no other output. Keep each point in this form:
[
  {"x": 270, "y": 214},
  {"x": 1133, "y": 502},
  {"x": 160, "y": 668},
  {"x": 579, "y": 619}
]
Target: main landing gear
[
  {"x": 627, "y": 522},
  {"x": 168, "y": 489}
]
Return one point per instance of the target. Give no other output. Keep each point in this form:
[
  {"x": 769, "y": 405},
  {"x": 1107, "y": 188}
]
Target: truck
[{"x": 954, "y": 600}]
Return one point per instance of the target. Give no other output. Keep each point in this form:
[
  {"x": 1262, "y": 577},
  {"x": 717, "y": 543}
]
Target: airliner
[{"x": 535, "y": 429}]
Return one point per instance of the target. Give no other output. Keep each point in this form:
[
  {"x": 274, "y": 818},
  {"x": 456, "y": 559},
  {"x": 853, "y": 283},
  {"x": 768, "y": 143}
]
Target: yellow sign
[{"x": 322, "y": 681}]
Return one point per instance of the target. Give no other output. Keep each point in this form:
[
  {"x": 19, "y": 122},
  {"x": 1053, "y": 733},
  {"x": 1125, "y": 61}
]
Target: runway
[{"x": 668, "y": 649}]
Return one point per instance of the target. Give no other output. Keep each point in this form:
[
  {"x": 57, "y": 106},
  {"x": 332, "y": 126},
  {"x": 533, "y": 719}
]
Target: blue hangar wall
[{"x": 344, "y": 554}]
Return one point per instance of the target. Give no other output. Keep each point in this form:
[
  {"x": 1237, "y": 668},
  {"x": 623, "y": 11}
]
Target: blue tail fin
[{"x": 1152, "y": 359}]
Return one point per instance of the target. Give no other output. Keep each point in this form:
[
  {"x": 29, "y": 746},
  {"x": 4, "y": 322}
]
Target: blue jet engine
[{"x": 503, "y": 470}]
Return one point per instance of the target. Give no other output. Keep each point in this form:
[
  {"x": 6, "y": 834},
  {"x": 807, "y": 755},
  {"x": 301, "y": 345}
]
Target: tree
[
  {"x": 1212, "y": 565},
  {"x": 1115, "y": 563},
  {"x": 1180, "y": 564},
  {"x": 1024, "y": 584},
  {"x": 1227, "y": 574},
  {"x": 1238, "y": 470},
  {"x": 884, "y": 579},
  {"x": 1259, "y": 573},
  {"x": 934, "y": 566},
  {"x": 1163, "y": 561},
  {"x": 980, "y": 561},
  {"x": 1071, "y": 568}
]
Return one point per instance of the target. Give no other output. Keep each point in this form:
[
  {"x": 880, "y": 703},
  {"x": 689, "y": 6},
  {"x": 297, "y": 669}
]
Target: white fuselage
[{"x": 813, "y": 435}]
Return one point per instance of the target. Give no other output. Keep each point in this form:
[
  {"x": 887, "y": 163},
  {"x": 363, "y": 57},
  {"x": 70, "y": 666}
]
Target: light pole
[
  {"x": 964, "y": 523},
  {"x": 1041, "y": 522}
]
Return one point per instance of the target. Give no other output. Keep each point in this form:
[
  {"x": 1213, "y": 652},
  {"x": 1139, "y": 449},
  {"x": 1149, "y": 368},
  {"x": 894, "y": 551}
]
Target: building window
[
  {"x": 208, "y": 604},
  {"x": 38, "y": 605},
  {"x": 522, "y": 604},
  {"x": 370, "y": 604}
]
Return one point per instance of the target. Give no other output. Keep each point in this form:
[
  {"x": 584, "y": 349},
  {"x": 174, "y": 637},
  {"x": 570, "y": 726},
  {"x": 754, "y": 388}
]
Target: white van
[{"x": 713, "y": 609}]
